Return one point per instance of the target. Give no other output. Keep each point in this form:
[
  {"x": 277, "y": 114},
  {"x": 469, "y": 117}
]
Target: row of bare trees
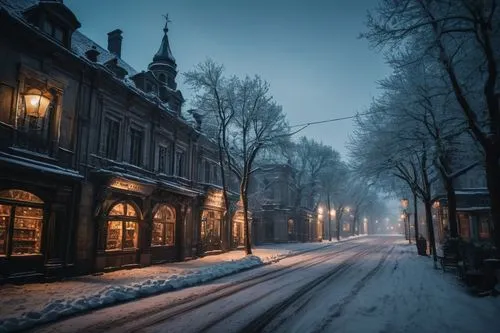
[
  {"x": 250, "y": 129},
  {"x": 440, "y": 103}
]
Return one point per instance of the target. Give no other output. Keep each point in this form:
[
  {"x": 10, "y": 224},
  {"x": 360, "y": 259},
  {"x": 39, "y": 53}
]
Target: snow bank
[{"x": 81, "y": 300}]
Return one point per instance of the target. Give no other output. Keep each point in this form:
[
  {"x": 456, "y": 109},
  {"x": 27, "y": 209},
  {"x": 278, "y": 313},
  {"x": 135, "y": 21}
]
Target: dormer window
[
  {"x": 54, "y": 19},
  {"x": 54, "y": 31}
]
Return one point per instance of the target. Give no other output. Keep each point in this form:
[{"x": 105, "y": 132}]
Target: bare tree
[
  {"x": 247, "y": 120},
  {"x": 463, "y": 37}
]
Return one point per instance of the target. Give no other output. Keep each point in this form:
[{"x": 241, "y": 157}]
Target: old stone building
[
  {"x": 275, "y": 215},
  {"x": 99, "y": 167}
]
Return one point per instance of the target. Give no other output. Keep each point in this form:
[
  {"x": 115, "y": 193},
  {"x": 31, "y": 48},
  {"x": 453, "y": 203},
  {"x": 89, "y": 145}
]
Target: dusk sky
[{"x": 307, "y": 50}]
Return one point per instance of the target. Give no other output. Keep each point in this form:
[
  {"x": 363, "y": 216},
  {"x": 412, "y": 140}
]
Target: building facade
[
  {"x": 474, "y": 222},
  {"x": 275, "y": 217},
  {"x": 99, "y": 167}
]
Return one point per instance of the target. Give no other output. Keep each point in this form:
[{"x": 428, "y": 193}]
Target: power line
[{"x": 328, "y": 120}]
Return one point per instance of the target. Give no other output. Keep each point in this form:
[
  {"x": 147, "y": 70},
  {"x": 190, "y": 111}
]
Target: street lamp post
[{"x": 404, "y": 204}]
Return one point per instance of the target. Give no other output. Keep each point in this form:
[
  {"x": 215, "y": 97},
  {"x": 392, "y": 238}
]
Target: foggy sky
[{"x": 308, "y": 50}]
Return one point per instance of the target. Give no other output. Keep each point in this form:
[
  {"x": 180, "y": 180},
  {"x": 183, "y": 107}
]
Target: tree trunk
[
  {"x": 452, "y": 207},
  {"x": 415, "y": 216},
  {"x": 329, "y": 219},
  {"x": 353, "y": 233},
  {"x": 430, "y": 226},
  {"x": 493, "y": 183},
  {"x": 225, "y": 229},
  {"x": 246, "y": 225},
  {"x": 337, "y": 222}
]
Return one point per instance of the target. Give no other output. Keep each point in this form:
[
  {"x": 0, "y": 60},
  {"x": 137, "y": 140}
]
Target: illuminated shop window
[
  {"x": 122, "y": 227},
  {"x": 21, "y": 221},
  {"x": 164, "y": 226}
]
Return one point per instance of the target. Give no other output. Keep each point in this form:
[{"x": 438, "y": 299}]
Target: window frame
[
  {"x": 165, "y": 224},
  {"x": 108, "y": 153},
  {"x": 136, "y": 150},
  {"x": 124, "y": 219},
  {"x": 10, "y": 225},
  {"x": 163, "y": 168}
]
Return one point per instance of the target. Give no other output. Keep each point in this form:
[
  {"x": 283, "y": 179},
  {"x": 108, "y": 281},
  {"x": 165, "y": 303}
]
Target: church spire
[{"x": 164, "y": 54}]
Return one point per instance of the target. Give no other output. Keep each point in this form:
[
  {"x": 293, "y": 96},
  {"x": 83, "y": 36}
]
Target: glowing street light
[{"x": 36, "y": 102}]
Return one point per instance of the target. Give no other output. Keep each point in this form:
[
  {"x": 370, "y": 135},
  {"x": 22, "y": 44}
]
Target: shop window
[
  {"x": 164, "y": 227},
  {"x": 112, "y": 133},
  {"x": 136, "y": 138},
  {"x": 122, "y": 227},
  {"x": 238, "y": 229},
  {"x": 21, "y": 221},
  {"x": 210, "y": 229}
]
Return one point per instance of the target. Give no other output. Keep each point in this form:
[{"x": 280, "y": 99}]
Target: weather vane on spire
[
  {"x": 166, "y": 18},
  {"x": 167, "y": 21}
]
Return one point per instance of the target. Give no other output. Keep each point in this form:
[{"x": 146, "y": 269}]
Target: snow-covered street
[{"x": 371, "y": 284}]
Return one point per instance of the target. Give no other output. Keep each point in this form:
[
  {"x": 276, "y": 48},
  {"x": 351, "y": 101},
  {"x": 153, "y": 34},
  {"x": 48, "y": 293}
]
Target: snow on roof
[
  {"x": 41, "y": 166},
  {"x": 79, "y": 42}
]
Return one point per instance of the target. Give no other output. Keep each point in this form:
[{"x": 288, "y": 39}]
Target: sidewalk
[{"x": 24, "y": 306}]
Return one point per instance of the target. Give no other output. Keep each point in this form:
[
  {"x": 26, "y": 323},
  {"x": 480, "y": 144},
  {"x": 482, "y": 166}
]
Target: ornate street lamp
[
  {"x": 36, "y": 102},
  {"x": 404, "y": 203}
]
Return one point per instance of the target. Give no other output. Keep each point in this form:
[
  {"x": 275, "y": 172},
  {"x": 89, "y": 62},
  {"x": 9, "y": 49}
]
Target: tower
[{"x": 163, "y": 66}]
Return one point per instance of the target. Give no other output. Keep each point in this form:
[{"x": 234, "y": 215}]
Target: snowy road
[{"x": 373, "y": 284}]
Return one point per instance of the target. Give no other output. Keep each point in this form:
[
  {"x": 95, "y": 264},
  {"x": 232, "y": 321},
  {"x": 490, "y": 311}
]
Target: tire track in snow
[
  {"x": 261, "y": 323},
  {"x": 143, "y": 320},
  {"x": 339, "y": 307}
]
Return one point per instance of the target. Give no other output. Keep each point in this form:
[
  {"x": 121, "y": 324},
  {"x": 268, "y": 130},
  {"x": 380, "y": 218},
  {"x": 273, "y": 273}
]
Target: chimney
[
  {"x": 92, "y": 54},
  {"x": 115, "y": 42}
]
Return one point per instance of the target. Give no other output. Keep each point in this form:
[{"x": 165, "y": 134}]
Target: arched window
[
  {"x": 164, "y": 227},
  {"x": 122, "y": 228},
  {"x": 21, "y": 219}
]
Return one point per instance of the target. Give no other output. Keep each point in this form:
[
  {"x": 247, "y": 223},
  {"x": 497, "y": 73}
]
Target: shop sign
[
  {"x": 128, "y": 185},
  {"x": 214, "y": 199}
]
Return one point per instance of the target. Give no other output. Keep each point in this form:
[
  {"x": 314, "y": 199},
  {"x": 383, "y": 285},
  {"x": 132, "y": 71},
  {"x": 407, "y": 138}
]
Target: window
[
  {"x": 164, "y": 227},
  {"x": 163, "y": 165},
  {"x": 291, "y": 230},
  {"x": 34, "y": 129},
  {"x": 21, "y": 221},
  {"x": 238, "y": 229},
  {"x": 111, "y": 138},
  {"x": 484, "y": 227},
  {"x": 6, "y": 102},
  {"x": 179, "y": 163},
  {"x": 207, "y": 172},
  {"x": 161, "y": 77},
  {"x": 136, "y": 137},
  {"x": 463, "y": 222},
  {"x": 210, "y": 230},
  {"x": 54, "y": 31},
  {"x": 122, "y": 227}
]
